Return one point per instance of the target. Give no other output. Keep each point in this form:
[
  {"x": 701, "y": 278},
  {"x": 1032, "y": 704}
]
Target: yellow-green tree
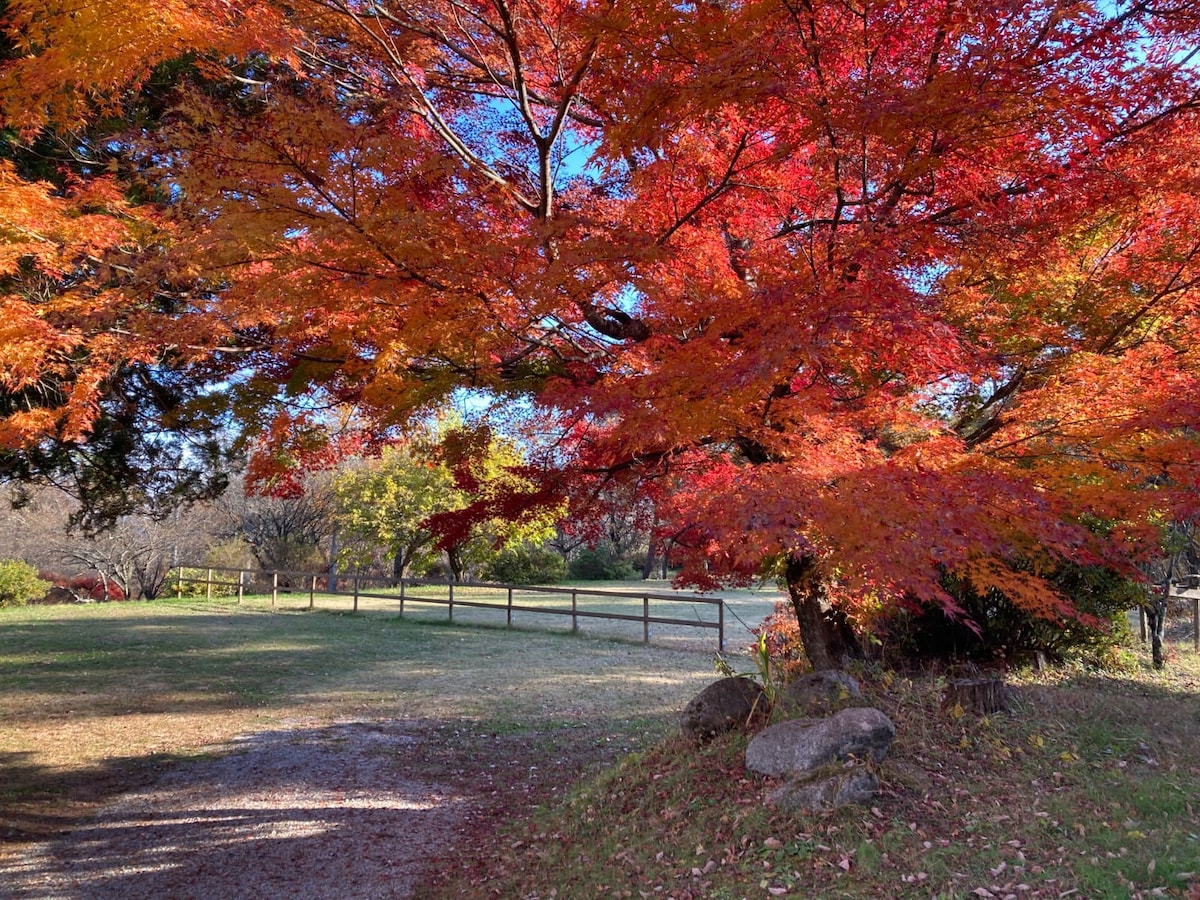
[
  {"x": 383, "y": 505},
  {"x": 392, "y": 503}
]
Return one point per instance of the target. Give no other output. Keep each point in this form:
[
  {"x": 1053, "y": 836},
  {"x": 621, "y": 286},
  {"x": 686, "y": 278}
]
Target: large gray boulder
[
  {"x": 723, "y": 705},
  {"x": 801, "y": 745},
  {"x": 856, "y": 785}
]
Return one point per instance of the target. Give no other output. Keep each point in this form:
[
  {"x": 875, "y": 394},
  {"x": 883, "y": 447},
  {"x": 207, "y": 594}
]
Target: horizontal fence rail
[
  {"x": 634, "y": 607},
  {"x": 630, "y": 606}
]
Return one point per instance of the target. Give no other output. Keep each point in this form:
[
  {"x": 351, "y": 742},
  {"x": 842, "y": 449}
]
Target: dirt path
[{"x": 342, "y": 811}]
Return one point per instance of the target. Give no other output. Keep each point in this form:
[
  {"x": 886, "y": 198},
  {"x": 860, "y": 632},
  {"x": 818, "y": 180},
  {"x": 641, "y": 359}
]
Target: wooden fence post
[
  {"x": 510, "y": 606},
  {"x": 645, "y": 619},
  {"x": 274, "y": 588},
  {"x": 179, "y": 583},
  {"x": 450, "y": 605},
  {"x": 721, "y": 626},
  {"x": 402, "y": 596},
  {"x": 241, "y": 585},
  {"x": 356, "y": 593},
  {"x": 208, "y": 584},
  {"x": 574, "y": 612},
  {"x": 312, "y": 591}
]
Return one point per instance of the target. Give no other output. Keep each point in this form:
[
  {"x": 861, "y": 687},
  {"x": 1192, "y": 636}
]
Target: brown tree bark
[
  {"x": 825, "y": 633},
  {"x": 648, "y": 565},
  {"x": 981, "y": 696},
  {"x": 1156, "y": 619}
]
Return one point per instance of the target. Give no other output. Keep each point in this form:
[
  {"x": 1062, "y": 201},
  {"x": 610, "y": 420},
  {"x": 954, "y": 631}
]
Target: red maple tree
[{"x": 891, "y": 290}]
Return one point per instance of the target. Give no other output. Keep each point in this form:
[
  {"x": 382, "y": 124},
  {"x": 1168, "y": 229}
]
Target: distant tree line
[{"x": 368, "y": 515}]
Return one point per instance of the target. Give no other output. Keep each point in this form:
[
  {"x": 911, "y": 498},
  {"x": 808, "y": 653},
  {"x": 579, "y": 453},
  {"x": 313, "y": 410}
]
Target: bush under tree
[
  {"x": 995, "y": 629},
  {"x": 601, "y": 564},
  {"x": 20, "y": 583},
  {"x": 526, "y": 564}
]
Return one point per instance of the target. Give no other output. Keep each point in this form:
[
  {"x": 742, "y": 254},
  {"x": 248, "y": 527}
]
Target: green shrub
[
  {"x": 1004, "y": 631},
  {"x": 20, "y": 584},
  {"x": 599, "y": 565},
  {"x": 526, "y": 565},
  {"x": 195, "y": 583},
  {"x": 234, "y": 553}
]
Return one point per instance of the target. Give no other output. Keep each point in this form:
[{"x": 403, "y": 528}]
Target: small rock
[
  {"x": 721, "y": 706},
  {"x": 818, "y": 693},
  {"x": 908, "y": 776}
]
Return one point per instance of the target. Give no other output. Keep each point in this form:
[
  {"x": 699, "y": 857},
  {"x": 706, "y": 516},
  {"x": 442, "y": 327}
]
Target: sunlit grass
[{"x": 579, "y": 606}]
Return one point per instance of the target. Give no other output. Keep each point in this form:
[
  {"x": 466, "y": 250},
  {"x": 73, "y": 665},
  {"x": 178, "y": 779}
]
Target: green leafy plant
[
  {"x": 194, "y": 583},
  {"x": 764, "y": 675},
  {"x": 766, "y": 671},
  {"x": 724, "y": 669},
  {"x": 526, "y": 564},
  {"x": 20, "y": 583},
  {"x": 995, "y": 628}
]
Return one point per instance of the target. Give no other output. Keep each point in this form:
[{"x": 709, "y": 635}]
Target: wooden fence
[{"x": 511, "y": 599}]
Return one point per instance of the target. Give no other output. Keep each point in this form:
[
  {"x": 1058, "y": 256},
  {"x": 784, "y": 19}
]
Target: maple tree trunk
[
  {"x": 457, "y": 565},
  {"x": 826, "y": 634}
]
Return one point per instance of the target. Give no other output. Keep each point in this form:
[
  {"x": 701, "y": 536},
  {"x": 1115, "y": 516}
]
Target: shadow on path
[{"x": 313, "y": 813}]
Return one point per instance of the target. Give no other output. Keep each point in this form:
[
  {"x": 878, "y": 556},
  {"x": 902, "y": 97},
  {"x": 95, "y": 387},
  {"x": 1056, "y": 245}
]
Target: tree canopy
[
  {"x": 889, "y": 291},
  {"x": 394, "y": 502}
]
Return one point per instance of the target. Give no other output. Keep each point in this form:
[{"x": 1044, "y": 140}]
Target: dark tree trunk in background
[
  {"x": 826, "y": 634},
  {"x": 457, "y": 564},
  {"x": 648, "y": 565},
  {"x": 1156, "y": 619},
  {"x": 333, "y": 561}
]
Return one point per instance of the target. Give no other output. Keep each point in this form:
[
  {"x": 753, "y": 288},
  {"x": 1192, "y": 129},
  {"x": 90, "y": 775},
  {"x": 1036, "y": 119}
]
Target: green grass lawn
[{"x": 592, "y": 601}]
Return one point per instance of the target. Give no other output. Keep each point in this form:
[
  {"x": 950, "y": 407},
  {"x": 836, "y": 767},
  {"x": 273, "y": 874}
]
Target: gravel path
[{"x": 312, "y": 813}]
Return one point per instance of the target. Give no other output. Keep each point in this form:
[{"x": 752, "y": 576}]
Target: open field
[
  {"x": 574, "y": 606},
  {"x": 1091, "y": 788},
  {"x": 96, "y": 697}
]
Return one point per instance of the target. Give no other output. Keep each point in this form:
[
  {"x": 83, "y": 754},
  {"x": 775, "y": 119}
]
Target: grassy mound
[{"x": 1088, "y": 789}]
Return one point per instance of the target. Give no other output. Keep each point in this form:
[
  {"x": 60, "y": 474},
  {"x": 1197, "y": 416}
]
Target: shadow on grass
[
  {"x": 33, "y": 788},
  {"x": 210, "y": 662},
  {"x": 1105, "y": 710},
  {"x": 194, "y": 663},
  {"x": 509, "y": 710}
]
